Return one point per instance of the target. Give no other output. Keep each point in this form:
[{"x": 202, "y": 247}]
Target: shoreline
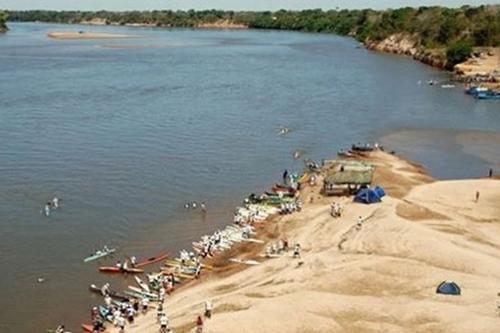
[
  {"x": 82, "y": 35},
  {"x": 336, "y": 254},
  {"x": 480, "y": 69}
]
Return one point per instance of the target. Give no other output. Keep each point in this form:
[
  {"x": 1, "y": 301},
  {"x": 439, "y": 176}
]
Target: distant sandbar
[{"x": 86, "y": 35}]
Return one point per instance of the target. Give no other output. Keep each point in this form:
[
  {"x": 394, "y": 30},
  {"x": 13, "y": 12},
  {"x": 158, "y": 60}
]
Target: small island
[{"x": 86, "y": 35}]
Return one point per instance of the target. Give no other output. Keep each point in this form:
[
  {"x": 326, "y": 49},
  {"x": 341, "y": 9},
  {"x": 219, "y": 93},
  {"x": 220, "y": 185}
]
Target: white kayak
[
  {"x": 246, "y": 262},
  {"x": 142, "y": 292},
  {"x": 99, "y": 254},
  {"x": 144, "y": 286}
]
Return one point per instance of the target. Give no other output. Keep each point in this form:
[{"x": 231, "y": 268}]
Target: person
[
  {"x": 199, "y": 325},
  {"x": 46, "y": 209},
  {"x": 121, "y": 323},
  {"x": 208, "y": 308},
  {"x": 135, "y": 305},
  {"x": 130, "y": 314},
  {"x": 94, "y": 313},
  {"x": 161, "y": 295},
  {"x": 60, "y": 329},
  {"x": 105, "y": 289},
  {"x": 186, "y": 206},
  {"x": 145, "y": 304},
  {"x": 360, "y": 222},
  {"x": 107, "y": 301},
  {"x": 164, "y": 323},
  {"x": 55, "y": 202},
  {"x": 159, "y": 311},
  {"x": 285, "y": 176},
  {"x": 133, "y": 261},
  {"x": 296, "y": 251},
  {"x": 490, "y": 173},
  {"x": 119, "y": 264},
  {"x": 198, "y": 270},
  {"x": 477, "y": 196},
  {"x": 124, "y": 267},
  {"x": 332, "y": 210},
  {"x": 193, "y": 205}
]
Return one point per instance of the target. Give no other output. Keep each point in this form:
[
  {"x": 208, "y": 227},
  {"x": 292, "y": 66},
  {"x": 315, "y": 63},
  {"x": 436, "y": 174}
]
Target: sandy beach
[
  {"x": 381, "y": 277},
  {"x": 75, "y": 35}
]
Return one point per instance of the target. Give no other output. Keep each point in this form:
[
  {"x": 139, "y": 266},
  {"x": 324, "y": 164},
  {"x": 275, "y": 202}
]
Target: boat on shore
[
  {"x": 152, "y": 260},
  {"x": 113, "y": 294}
]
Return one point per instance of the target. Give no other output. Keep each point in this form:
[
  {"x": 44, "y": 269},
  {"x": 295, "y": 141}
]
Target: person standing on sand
[
  {"x": 296, "y": 251},
  {"x": 285, "y": 176},
  {"x": 199, "y": 325},
  {"x": 477, "y": 196},
  {"x": 490, "y": 173},
  {"x": 208, "y": 308},
  {"x": 360, "y": 222},
  {"x": 203, "y": 207}
]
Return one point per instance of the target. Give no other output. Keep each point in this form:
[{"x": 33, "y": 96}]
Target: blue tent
[
  {"x": 380, "y": 191},
  {"x": 367, "y": 196},
  {"x": 448, "y": 288}
]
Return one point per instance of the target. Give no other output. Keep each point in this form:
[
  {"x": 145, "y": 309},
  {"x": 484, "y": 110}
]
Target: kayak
[
  {"x": 246, "y": 262},
  {"x": 144, "y": 286},
  {"x": 189, "y": 263},
  {"x": 142, "y": 292},
  {"x": 152, "y": 260},
  {"x": 113, "y": 269},
  {"x": 139, "y": 295},
  {"x": 112, "y": 294},
  {"x": 99, "y": 254}
]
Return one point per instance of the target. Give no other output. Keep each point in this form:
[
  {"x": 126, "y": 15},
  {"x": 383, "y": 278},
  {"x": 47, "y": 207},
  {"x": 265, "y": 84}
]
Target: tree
[
  {"x": 458, "y": 52},
  {"x": 3, "y": 19}
]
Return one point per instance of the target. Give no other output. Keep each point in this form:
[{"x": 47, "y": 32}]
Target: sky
[{"x": 226, "y": 4}]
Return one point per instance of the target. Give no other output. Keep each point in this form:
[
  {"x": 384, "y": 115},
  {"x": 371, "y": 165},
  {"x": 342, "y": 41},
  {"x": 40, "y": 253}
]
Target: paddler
[
  {"x": 55, "y": 202},
  {"x": 203, "y": 207},
  {"x": 46, "y": 209},
  {"x": 60, "y": 329},
  {"x": 107, "y": 301},
  {"x": 133, "y": 261},
  {"x": 105, "y": 289},
  {"x": 119, "y": 264}
]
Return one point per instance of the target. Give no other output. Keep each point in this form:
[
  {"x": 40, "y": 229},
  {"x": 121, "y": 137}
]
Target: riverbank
[
  {"x": 79, "y": 35},
  {"x": 381, "y": 277}
]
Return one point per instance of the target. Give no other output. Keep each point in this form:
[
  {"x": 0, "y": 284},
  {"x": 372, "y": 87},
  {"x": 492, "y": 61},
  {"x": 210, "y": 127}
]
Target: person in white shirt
[
  {"x": 121, "y": 323},
  {"x": 164, "y": 323},
  {"x": 55, "y": 202},
  {"x": 208, "y": 308},
  {"x": 145, "y": 304}
]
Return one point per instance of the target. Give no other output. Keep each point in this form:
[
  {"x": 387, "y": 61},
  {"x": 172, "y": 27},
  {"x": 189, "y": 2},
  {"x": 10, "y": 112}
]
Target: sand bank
[
  {"x": 68, "y": 35},
  {"x": 380, "y": 278}
]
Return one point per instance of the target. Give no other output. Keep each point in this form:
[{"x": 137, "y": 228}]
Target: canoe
[
  {"x": 112, "y": 294},
  {"x": 152, "y": 260},
  {"x": 138, "y": 295},
  {"x": 144, "y": 286},
  {"x": 190, "y": 263},
  {"x": 142, "y": 292},
  {"x": 99, "y": 254},
  {"x": 112, "y": 269}
]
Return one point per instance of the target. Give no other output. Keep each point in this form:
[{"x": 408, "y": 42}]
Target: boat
[
  {"x": 277, "y": 188},
  {"x": 246, "y": 262},
  {"x": 142, "y": 292},
  {"x": 487, "y": 95},
  {"x": 113, "y": 269},
  {"x": 152, "y": 260},
  {"x": 99, "y": 254},
  {"x": 144, "y": 286},
  {"x": 111, "y": 293},
  {"x": 447, "y": 86},
  {"x": 343, "y": 153},
  {"x": 90, "y": 328},
  {"x": 362, "y": 147}
]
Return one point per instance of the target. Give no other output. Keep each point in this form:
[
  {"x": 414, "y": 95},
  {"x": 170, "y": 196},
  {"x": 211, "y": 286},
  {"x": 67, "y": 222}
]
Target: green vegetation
[
  {"x": 430, "y": 27},
  {"x": 458, "y": 52},
  {"x": 3, "y": 20}
]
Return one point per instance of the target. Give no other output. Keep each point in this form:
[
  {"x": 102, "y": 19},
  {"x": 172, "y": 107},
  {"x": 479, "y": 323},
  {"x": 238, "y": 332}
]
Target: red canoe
[
  {"x": 152, "y": 260},
  {"x": 112, "y": 269}
]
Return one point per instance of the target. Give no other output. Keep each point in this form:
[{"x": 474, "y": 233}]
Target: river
[{"x": 127, "y": 131}]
